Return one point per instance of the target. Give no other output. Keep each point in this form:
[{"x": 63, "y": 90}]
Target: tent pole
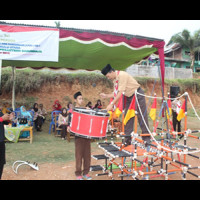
[
  {"x": 159, "y": 72},
  {"x": 13, "y": 86}
]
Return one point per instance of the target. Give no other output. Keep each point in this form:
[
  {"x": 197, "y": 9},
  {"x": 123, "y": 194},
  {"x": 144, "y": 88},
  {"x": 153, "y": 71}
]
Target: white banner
[{"x": 28, "y": 43}]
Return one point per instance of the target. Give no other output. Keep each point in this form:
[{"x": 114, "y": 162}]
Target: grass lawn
[{"x": 46, "y": 148}]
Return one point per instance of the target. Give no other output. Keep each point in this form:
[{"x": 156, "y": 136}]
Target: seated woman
[
  {"x": 38, "y": 118},
  {"x": 25, "y": 116},
  {"x": 42, "y": 111},
  {"x": 5, "y": 108},
  {"x": 57, "y": 105},
  {"x": 89, "y": 105},
  {"x": 98, "y": 104},
  {"x": 63, "y": 123},
  {"x": 25, "y": 119}
]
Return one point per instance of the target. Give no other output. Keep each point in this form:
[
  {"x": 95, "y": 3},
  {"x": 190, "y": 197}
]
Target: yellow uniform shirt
[{"x": 126, "y": 83}]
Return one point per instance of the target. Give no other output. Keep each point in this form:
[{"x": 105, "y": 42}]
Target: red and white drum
[{"x": 89, "y": 123}]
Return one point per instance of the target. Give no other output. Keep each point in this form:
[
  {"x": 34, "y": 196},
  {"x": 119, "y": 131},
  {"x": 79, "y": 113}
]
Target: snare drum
[{"x": 89, "y": 123}]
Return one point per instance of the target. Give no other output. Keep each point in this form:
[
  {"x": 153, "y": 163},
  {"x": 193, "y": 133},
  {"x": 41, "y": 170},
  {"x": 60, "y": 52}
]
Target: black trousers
[
  {"x": 128, "y": 129},
  {"x": 38, "y": 122},
  {"x": 64, "y": 130},
  {"x": 176, "y": 122},
  {"x": 2, "y": 157}
]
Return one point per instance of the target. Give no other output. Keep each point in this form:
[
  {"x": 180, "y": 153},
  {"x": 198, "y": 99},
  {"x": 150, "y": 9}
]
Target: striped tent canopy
[{"x": 93, "y": 49}]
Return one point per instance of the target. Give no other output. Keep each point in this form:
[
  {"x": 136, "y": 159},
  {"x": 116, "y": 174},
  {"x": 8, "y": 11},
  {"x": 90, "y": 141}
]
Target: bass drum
[{"x": 89, "y": 123}]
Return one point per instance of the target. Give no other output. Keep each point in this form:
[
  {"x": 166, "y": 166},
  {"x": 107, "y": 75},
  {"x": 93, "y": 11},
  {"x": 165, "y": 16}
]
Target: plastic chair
[
  {"x": 57, "y": 129},
  {"x": 16, "y": 115},
  {"x": 55, "y": 112},
  {"x": 17, "y": 109},
  {"x": 25, "y": 134}
]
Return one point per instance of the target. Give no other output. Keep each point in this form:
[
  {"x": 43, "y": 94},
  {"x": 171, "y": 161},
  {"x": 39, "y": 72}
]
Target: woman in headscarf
[
  {"x": 63, "y": 122},
  {"x": 56, "y": 105},
  {"x": 37, "y": 117},
  {"x": 24, "y": 120},
  {"x": 42, "y": 111},
  {"x": 25, "y": 115}
]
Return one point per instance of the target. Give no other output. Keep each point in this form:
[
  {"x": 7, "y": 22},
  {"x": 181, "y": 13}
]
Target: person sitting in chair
[
  {"x": 25, "y": 119},
  {"x": 37, "y": 117},
  {"x": 63, "y": 123},
  {"x": 42, "y": 111},
  {"x": 57, "y": 105}
]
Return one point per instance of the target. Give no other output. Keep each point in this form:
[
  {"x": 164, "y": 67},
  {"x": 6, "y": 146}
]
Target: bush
[{"x": 29, "y": 80}]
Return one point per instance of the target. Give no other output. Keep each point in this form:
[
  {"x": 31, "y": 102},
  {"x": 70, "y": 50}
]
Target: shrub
[{"x": 29, "y": 80}]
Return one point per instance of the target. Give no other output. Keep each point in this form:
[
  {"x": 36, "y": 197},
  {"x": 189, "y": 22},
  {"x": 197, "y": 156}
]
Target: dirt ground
[
  {"x": 65, "y": 171},
  {"x": 48, "y": 171}
]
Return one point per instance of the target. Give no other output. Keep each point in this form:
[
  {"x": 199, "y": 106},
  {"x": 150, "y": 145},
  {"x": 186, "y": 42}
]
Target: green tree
[
  {"x": 186, "y": 40},
  {"x": 57, "y": 24}
]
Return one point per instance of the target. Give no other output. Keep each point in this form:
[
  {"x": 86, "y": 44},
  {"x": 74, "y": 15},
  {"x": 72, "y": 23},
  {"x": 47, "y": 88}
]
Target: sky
[{"x": 161, "y": 29}]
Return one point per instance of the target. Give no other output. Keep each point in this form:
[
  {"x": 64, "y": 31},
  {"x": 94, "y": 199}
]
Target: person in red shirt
[{"x": 57, "y": 105}]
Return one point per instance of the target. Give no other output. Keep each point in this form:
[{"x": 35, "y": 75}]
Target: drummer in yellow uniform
[{"x": 82, "y": 149}]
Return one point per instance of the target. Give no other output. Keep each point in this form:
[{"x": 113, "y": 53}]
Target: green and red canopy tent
[{"x": 93, "y": 49}]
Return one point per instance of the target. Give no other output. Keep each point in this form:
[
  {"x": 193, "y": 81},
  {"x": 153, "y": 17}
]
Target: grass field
[{"x": 46, "y": 148}]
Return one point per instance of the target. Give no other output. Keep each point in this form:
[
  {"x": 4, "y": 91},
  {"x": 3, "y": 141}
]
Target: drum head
[
  {"x": 84, "y": 111},
  {"x": 97, "y": 112},
  {"x": 102, "y": 113}
]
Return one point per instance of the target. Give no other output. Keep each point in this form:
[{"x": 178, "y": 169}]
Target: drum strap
[
  {"x": 116, "y": 86},
  {"x": 115, "y": 90}
]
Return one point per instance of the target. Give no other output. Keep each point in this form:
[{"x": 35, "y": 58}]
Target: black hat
[
  {"x": 106, "y": 69},
  {"x": 77, "y": 94}
]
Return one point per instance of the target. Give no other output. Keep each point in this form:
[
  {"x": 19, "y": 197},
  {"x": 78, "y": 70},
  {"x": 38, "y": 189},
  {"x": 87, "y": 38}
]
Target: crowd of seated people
[
  {"x": 98, "y": 105},
  {"x": 36, "y": 116},
  {"x": 64, "y": 117},
  {"x": 39, "y": 115}
]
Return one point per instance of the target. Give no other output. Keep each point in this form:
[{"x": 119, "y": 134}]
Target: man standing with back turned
[{"x": 123, "y": 82}]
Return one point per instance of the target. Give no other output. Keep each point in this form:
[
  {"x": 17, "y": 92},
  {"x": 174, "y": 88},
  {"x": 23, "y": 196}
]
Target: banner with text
[{"x": 29, "y": 43}]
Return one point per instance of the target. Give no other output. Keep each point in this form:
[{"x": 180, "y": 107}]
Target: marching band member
[
  {"x": 123, "y": 82},
  {"x": 82, "y": 149},
  {"x": 176, "y": 107}
]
